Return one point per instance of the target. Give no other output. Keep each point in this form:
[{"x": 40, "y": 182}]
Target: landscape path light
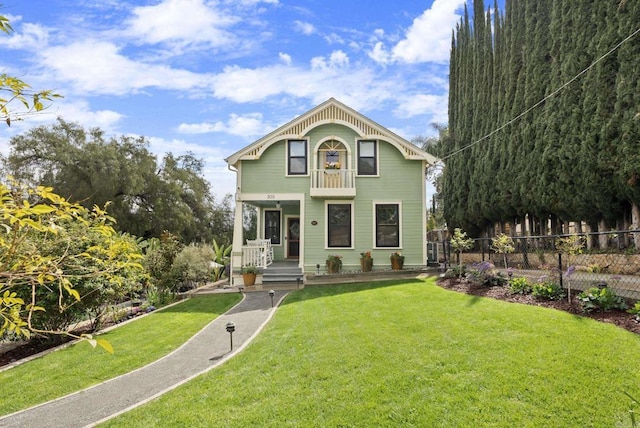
[
  {"x": 231, "y": 327},
  {"x": 271, "y": 294}
]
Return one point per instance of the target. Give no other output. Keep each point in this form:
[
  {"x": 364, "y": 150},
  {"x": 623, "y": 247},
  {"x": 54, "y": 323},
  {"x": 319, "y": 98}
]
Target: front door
[{"x": 293, "y": 237}]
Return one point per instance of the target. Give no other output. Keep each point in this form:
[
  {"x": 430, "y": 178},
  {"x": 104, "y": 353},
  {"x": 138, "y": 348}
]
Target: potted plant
[
  {"x": 334, "y": 263},
  {"x": 366, "y": 261},
  {"x": 249, "y": 274},
  {"x": 397, "y": 260}
]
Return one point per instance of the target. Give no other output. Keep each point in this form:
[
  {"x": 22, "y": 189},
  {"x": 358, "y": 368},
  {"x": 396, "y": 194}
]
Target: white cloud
[
  {"x": 80, "y": 111},
  {"x": 379, "y": 54},
  {"x": 336, "y": 59},
  {"x": 424, "y": 104},
  {"x": 286, "y": 58},
  {"x": 254, "y": 2},
  {"x": 247, "y": 125},
  {"x": 97, "y": 67},
  {"x": 334, "y": 38},
  {"x": 429, "y": 37},
  {"x": 304, "y": 27},
  {"x": 182, "y": 22},
  {"x": 31, "y": 36},
  {"x": 359, "y": 87}
]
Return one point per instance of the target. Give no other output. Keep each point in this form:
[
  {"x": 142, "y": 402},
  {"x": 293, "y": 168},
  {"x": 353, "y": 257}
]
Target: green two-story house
[{"x": 330, "y": 182}]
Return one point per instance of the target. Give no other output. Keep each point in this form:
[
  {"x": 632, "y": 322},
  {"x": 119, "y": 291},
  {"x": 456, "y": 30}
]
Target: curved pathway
[{"x": 207, "y": 349}]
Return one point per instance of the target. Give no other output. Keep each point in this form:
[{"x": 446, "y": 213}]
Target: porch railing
[{"x": 256, "y": 256}]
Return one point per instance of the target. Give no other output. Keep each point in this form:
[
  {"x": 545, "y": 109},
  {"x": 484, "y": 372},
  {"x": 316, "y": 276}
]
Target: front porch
[{"x": 277, "y": 252}]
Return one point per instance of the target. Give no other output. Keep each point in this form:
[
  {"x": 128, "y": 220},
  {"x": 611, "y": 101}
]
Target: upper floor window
[
  {"x": 332, "y": 155},
  {"x": 297, "y": 157},
  {"x": 367, "y": 158}
]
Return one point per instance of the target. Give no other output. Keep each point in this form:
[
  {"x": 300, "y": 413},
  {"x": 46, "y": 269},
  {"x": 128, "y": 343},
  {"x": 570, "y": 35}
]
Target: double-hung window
[
  {"x": 388, "y": 225},
  {"x": 339, "y": 225},
  {"x": 297, "y": 153},
  {"x": 367, "y": 157}
]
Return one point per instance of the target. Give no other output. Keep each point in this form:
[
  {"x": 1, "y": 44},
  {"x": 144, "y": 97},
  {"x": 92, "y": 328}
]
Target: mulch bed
[{"x": 620, "y": 318}]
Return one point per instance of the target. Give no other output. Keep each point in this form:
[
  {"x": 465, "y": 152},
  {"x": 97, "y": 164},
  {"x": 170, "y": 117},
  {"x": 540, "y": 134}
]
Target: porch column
[{"x": 238, "y": 238}]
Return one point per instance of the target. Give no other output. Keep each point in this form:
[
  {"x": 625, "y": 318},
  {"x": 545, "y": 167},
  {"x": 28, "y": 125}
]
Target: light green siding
[{"x": 398, "y": 181}]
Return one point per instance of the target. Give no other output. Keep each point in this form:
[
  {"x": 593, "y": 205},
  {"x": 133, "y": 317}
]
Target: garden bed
[{"x": 620, "y": 318}]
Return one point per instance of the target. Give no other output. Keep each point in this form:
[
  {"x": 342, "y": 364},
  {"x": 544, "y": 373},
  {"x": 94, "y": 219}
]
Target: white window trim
[
  {"x": 317, "y": 156},
  {"x": 357, "y": 157},
  {"x": 326, "y": 224},
  {"x": 373, "y": 224},
  {"x": 286, "y": 157}
]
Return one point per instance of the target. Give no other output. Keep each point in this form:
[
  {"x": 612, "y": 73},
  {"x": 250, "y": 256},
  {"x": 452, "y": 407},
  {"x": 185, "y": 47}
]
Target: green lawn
[
  {"x": 412, "y": 354},
  {"x": 135, "y": 345}
]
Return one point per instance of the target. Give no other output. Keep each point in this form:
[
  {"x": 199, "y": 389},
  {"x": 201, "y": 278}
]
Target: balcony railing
[{"x": 333, "y": 183}]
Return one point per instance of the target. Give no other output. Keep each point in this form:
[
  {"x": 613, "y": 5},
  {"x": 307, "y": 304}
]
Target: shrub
[
  {"x": 455, "y": 272},
  {"x": 192, "y": 267},
  {"x": 503, "y": 244},
  {"x": 601, "y": 299},
  {"x": 549, "y": 290},
  {"x": 160, "y": 296},
  {"x": 485, "y": 274},
  {"x": 520, "y": 285}
]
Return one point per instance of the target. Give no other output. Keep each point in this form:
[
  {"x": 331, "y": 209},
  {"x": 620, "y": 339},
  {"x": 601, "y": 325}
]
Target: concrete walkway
[{"x": 204, "y": 351}]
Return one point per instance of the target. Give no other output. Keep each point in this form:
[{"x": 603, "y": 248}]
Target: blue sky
[{"x": 211, "y": 77}]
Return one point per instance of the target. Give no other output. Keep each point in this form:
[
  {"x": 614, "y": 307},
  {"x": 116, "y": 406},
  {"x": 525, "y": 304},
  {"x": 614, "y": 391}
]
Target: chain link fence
[{"x": 608, "y": 259}]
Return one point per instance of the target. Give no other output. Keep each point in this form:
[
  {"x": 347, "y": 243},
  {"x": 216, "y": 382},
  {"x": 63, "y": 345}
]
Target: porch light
[
  {"x": 231, "y": 327},
  {"x": 278, "y": 204},
  {"x": 271, "y": 294}
]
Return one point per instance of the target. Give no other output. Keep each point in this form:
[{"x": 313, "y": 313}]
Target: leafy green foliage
[
  {"x": 192, "y": 267},
  {"x": 147, "y": 195},
  {"x": 503, "y": 244},
  {"x": 601, "y": 299},
  {"x": 460, "y": 242},
  {"x": 547, "y": 289},
  {"x": 520, "y": 285},
  {"x": 635, "y": 310},
  {"x": 159, "y": 258},
  {"x": 58, "y": 259},
  {"x": 509, "y": 97},
  {"x": 221, "y": 258}
]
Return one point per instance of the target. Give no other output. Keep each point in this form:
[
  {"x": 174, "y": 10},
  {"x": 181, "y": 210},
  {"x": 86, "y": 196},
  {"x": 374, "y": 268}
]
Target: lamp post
[
  {"x": 271, "y": 294},
  {"x": 318, "y": 268},
  {"x": 231, "y": 327}
]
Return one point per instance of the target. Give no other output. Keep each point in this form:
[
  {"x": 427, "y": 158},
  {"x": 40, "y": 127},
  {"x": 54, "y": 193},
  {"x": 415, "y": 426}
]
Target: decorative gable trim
[{"x": 330, "y": 112}]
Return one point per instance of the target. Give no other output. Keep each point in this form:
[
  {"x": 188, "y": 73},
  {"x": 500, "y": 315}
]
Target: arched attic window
[{"x": 332, "y": 154}]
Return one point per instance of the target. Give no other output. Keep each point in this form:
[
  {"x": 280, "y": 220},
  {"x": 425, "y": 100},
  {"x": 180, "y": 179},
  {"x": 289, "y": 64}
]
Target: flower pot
[
  {"x": 249, "y": 279},
  {"x": 397, "y": 263},
  {"x": 366, "y": 264},
  {"x": 333, "y": 266}
]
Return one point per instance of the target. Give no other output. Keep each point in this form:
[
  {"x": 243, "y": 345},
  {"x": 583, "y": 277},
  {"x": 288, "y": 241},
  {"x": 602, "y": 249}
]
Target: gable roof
[{"x": 331, "y": 111}]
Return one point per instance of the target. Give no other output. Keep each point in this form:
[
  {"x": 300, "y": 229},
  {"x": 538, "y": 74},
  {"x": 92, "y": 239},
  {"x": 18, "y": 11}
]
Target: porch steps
[{"x": 282, "y": 272}]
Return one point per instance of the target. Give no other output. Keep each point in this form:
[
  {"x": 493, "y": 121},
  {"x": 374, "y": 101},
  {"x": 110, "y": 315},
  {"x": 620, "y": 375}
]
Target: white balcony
[{"x": 333, "y": 183}]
